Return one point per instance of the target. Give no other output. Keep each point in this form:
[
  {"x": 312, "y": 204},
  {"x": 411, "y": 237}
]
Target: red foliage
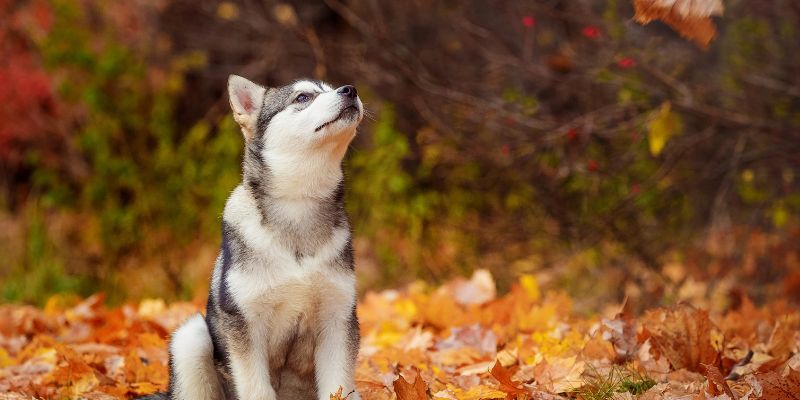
[{"x": 26, "y": 91}]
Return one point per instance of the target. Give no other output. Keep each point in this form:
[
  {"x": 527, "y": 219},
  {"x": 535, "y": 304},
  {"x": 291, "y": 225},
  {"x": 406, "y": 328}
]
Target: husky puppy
[{"x": 281, "y": 319}]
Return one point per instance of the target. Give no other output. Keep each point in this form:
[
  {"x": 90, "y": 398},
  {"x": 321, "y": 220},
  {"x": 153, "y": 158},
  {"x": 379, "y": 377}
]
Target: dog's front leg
[
  {"x": 335, "y": 356},
  {"x": 250, "y": 369}
]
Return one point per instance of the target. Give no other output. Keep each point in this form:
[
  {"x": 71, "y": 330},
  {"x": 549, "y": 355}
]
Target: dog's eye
[{"x": 302, "y": 98}]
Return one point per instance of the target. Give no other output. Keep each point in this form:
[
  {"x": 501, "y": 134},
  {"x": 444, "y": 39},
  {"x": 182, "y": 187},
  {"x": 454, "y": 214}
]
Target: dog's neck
[{"x": 293, "y": 185}]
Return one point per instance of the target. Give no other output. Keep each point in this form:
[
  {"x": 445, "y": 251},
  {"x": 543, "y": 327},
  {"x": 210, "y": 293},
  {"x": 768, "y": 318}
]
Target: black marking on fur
[
  {"x": 354, "y": 337},
  {"x": 221, "y": 352},
  {"x": 233, "y": 251},
  {"x": 156, "y": 396}
]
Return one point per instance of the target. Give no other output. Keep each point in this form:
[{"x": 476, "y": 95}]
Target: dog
[{"x": 281, "y": 319}]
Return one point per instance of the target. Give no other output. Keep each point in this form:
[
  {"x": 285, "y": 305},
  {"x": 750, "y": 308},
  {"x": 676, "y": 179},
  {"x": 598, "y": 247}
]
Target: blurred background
[{"x": 557, "y": 137}]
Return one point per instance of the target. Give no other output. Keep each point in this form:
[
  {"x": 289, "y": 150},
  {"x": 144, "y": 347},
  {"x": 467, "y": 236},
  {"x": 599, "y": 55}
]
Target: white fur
[
  {"x": 192, "y": 356},
  {"x": 305, "y": 167},
  {"x": 296, "y": 286},
  {"x": 306, "y": 163}
]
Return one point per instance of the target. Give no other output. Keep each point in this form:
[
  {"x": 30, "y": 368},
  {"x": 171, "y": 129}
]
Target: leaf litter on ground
[{"x": 458, "y": 341}]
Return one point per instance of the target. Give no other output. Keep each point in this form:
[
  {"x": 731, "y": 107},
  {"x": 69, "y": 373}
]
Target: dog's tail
[{"x": 192, "y": 374}]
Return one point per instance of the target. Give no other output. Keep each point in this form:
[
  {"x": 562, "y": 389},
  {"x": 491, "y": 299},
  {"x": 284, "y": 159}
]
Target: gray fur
[{"x": 291, "y": 364}]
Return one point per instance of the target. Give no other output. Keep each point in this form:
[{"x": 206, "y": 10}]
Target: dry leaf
[
  {"x": 410, "y": 390},
  {"x": 682, "y": 335},
  {"x": 774, "y": 386},
  {"x": 503, "y": 376},
  {"x": 690, "y": 18},
  {"x": 717, "y": 383}
]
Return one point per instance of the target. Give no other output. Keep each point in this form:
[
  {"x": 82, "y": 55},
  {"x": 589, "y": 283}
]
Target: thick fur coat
[{"x": 280, "y": 320}]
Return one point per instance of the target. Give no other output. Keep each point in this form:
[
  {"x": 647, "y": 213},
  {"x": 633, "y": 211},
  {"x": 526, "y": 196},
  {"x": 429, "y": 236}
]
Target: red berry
[
  {"x": 626, "y": 62},
  {"x": 636, "y": 189},
  {"x": 592, "y": 165},
  {"x": 591, "y": 32},
  {"x": 528, "y": 21},
  {"x": 572, "y": 134},
  {"x": 506, "y": 150}
]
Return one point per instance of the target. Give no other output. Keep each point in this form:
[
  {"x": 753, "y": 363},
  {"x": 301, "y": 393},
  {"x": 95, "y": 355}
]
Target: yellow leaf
[
  {"x": 5, "y": 359},
  {"x": 662, "y": 126},
  {"x": 531, "y": 286}
]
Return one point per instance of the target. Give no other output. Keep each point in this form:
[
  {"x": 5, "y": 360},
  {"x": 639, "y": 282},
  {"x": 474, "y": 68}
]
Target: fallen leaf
[
  {"x": 717, "y": 382},
  {"x": 774, "y": 386},
  {"x": 683, "y": 335},
  {"x": 503, "y": 376},
  {"x": 410, "y": 390}
]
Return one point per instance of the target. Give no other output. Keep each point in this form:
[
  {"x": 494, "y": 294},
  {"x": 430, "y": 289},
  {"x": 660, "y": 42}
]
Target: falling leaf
[
  {"x": 690, "y": 18},
  {"x": 663, "y": 124}
]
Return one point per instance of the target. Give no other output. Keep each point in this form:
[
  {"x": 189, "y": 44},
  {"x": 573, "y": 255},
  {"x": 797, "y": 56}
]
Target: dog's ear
[{"x": 246, "y": 100}]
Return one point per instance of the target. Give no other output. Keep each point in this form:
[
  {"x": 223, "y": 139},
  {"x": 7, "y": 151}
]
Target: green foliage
[
  {"x": 42, "y": 272},
  {"x": 144, "y": 175},
  {"x": 377, "y": 177},
  {"x": 617, "y": 380}
]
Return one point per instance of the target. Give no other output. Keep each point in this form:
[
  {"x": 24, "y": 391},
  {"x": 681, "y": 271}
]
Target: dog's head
[
  {"x": 304, "y": 113},
  {"x": 296, "y": 129}
]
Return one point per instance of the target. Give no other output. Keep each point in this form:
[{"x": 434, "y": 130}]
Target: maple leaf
[
  {"x": 774, "y": 386},
  {"x": 683, "y": 335},
  {"x": 507, "y": 384},
  {"x": 406, "y": 390},
  {"x": 690, "y": 18},
  {"x": 559, "y": 374},
  {"x": 622, "y": 332},
  {"x": 717, "y": 382}
]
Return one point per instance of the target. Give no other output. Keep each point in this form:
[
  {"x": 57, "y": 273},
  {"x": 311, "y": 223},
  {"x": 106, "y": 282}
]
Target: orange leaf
[
  {"x": 410, "y": 390},
  {"x": 683, "y": 335},
  {"x": 507, "y": 384},
  {"x": 774, "y": 386},
  {"x": 716, "y": 382},
  {"x": 690, "y": 18}
]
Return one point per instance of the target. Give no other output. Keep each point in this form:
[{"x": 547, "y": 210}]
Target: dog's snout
[{"x": 348, "y": 90}]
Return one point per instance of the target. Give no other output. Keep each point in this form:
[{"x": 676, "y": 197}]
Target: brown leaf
[
  {"x": 690, "y": 18},
  {"x": 717, "y": 382},
  {"x": 410, "y": 390},
  {"x": 781, "y": 341},
  {"x": 503, "y": 376},
  {"x": 683, "y": 335},
  {"x": 774, "y": 386},
  {"x": 623, "y": 333}
]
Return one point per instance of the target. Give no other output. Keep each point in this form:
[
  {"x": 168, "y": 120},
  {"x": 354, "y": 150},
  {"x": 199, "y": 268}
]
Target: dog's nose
[{"x": 348, "y": 90}]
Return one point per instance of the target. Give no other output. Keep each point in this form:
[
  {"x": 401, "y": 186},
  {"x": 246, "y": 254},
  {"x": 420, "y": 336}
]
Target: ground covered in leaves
[{"x": 458, "y": 341}]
